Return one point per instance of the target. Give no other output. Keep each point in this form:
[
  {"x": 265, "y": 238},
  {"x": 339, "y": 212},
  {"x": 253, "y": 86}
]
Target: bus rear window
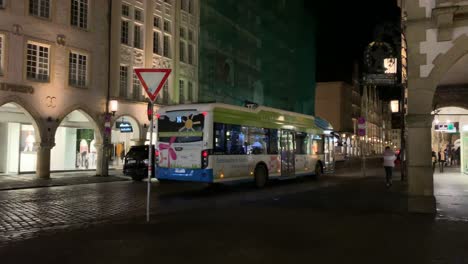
[{"x": 183, "y": 126}]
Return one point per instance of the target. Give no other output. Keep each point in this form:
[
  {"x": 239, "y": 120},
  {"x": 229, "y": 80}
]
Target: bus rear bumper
[{"x": 194, "y": 175}]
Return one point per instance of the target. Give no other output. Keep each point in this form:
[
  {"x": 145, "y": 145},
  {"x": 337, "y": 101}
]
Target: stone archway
[
  {"x": 421, "y": 94},
  {"x": 21, "y": 136},
  {"x": 122, "y": 139},
  {"x": 78, "y": 141}
]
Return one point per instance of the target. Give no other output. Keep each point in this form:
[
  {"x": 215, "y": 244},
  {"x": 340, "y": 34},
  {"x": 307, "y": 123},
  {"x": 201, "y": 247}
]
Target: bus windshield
[{"x": 181, "y": 127}]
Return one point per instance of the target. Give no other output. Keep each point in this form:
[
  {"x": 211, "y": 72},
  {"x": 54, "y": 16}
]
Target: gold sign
[{"x": 16, "y": 88}]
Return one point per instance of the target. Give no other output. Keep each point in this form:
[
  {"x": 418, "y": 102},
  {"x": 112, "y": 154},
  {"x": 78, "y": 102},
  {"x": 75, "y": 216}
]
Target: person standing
[
  {"x": 434, "y": 160},
  {"x": 389, "y": 163},
  {"x": 441, "y": 160}
]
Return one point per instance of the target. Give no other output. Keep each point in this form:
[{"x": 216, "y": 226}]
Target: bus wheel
[
  {"x": 261, "y": 176},
  {"x": 318, "y": 171}
]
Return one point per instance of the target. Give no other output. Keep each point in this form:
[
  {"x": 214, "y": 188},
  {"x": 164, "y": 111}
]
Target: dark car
[{"x": 136, "y": 162}]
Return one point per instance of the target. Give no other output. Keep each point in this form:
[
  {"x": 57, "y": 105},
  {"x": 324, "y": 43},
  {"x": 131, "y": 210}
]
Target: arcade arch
[{"x": 19, "y": 138}]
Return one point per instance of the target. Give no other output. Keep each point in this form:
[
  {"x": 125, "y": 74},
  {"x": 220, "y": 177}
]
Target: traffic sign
[{"x": 152, "y": 80}]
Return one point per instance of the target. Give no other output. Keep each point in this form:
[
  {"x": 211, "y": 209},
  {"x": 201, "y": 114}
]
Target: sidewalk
[{"x": 26, "y": 181}]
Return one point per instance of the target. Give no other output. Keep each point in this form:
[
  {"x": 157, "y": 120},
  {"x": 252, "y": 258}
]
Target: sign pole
[
  {"x": 150, "y": 165},
  {"x": 152, "y": 81}
]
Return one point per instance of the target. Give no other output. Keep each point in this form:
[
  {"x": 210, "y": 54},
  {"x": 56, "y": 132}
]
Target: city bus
[{"x": 216, "y": 143}]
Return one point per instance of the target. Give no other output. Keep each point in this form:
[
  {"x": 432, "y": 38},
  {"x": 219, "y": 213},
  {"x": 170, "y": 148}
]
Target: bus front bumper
[{"x": 194, "y": 175}]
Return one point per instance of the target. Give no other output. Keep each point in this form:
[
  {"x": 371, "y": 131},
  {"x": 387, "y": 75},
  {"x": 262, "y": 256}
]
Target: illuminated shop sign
[
  {"x": 125, "y": 127},
  {"x": 451, "y": 127}
]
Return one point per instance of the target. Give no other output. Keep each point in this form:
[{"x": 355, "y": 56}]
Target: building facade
[
  {"x": 257, "y": 51},
  {"x": 150, "y": 34},
  {"x": 437, "y": 46},
  {"x": 53, "y": 79}
]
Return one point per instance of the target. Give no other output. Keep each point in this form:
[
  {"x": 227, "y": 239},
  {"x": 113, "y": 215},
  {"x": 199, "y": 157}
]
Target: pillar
[
  {"x": 101, "y": 167},
  {"x": 43, "y": 159},
  {"x": 419, "y": 164}
]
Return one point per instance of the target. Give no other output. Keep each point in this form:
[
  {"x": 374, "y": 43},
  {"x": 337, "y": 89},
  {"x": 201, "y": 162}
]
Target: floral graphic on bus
[
  {"x": 170, "y": 151},
  {"x": 188, "y": 124}
]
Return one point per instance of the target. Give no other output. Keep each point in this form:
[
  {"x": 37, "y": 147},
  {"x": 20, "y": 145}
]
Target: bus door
[
  {"x": 329, "y": 153},
  {"x": 287, "y": 143}
]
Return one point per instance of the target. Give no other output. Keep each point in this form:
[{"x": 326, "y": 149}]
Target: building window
[
  {"x": 166, "y": 46},
  {"x": 190, "y": 91},
  {"x": 124, "y": 32},
  {"x": 167, "y": 26},
  {"x": 79, "y": 13},
  {"x": 190, "y": 6},
  {"x": 181, "y": 91},
  {"x": 77, "y": 69},
  {"x": 125, "y": 10},
  {"x": 184, "y": 5},
  {"x": 137, "y": 92},
  {"x": 190, "y": 54},
  {"x": 138, "y": 15},
  {"x": 182, "y": 51},
  {"x": 2, "y": 44},
  {"x": 137, "y": 43},
  {"x": 37, "y": 62},
  {"x": 123, "y": 81},
  {"x": 156, "y": 45},
  {"x": 40, "y": 8},
  {"x": 182, "y": 32},
  {"x": 190, "y": 35},
  {"x": 157, "y": 22}
]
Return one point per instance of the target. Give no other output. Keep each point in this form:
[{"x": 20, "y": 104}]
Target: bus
[{"x": 216, "y": 143}]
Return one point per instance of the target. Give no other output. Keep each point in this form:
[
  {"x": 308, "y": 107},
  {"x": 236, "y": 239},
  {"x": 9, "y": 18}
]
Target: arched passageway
[
  {"x": 77, "y": 143},
  {"x": 19, "y": 135},
  {"x": 125, "y": 133}
]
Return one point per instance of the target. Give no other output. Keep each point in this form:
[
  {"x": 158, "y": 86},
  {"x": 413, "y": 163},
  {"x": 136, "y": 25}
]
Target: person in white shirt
[{"x": 389, "y": 163}]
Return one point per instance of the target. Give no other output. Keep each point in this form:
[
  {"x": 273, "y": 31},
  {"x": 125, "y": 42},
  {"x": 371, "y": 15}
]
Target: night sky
[{"x": 343, "y": 32}]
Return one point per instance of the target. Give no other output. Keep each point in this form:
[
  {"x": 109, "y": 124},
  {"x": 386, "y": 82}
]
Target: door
[{"x": 287, "y": 144}]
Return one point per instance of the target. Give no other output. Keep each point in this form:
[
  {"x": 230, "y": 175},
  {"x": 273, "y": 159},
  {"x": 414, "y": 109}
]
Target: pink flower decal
[{"x": 171, "y": 152}]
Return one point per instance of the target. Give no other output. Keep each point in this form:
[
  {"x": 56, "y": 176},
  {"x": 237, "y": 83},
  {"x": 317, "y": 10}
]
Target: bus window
[
  {"x": 273, "y": 141},
  {"x": 219, "y": 139},
  {"x": 235, "y": 140},
  {"x": 301, "y": 143},
  {"x": 317, "y": 144},
  {"x": 257, "y": 139},
  {"x": 183, "y": 127}
]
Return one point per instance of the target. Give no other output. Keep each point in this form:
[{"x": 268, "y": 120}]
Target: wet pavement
[
  {"x": 344, "y": 218},
  {"x": 27, "y": 181}
]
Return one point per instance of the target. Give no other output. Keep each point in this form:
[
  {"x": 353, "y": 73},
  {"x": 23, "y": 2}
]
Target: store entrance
[
  {"x": 75, "y": 144},
  {"x": 18, "y": 135}
]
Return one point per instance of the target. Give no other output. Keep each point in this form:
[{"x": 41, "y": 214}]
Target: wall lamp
[{"x": 113, "y": 106}]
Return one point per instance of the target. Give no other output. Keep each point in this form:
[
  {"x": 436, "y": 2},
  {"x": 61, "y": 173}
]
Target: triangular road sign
[{"x": 153, "y": 80}]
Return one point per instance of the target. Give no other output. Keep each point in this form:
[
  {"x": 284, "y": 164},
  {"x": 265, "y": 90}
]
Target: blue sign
[{"x": 125, "y": 127}]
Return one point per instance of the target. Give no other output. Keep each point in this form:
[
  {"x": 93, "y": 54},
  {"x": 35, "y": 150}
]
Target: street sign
[
  {"x": 125, "y": 127},
  {"x": 152, "y": 80},
  {"x": 361, "y": 126}
]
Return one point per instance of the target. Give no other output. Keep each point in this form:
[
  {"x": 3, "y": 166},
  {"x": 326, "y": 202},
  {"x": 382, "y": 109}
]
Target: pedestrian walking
[
  {"x": 389, "y": 163},
  {"x": 434, "y": 160},
  {"x": 441, "y": 159}
]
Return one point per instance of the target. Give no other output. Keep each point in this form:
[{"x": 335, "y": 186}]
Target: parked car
[{"x": 136, "y": 162}]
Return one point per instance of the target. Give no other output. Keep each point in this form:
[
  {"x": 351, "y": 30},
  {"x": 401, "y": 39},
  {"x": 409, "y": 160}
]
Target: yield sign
[{"x": 152, "y": 80}]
